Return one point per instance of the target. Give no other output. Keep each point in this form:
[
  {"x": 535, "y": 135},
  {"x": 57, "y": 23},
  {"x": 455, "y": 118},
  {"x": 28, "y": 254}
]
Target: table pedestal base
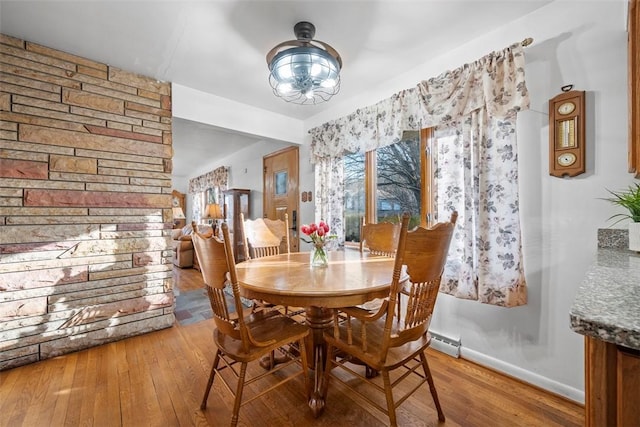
[{"x": 318, "y": 319}]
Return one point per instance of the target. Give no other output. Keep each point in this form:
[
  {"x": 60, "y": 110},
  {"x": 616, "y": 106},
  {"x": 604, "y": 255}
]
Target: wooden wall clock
[{"x": 567, "y": 133}]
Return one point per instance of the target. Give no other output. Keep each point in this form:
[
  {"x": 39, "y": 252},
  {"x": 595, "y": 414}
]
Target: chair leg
[
  {"x": 388, "y": 392},
  {"x": 432, "y": 386},
  {"x": 272, "y": 359},
  {"x": 369, "y": 372},
  {"x": 216, "y": 360},
  {"x": 238, "y": 401}
]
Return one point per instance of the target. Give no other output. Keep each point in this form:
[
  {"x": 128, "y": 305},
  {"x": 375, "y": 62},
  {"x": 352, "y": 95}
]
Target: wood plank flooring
[{"x": 158, "y": 379}]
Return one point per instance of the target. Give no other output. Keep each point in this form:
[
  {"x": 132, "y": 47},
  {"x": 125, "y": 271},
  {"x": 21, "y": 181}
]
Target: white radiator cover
[{"x": 444, "y": 344}]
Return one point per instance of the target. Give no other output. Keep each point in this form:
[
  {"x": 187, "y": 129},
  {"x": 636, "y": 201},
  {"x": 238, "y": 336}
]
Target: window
[
  {"x": 354, "y": 195},
  {"x": 398, "y": 181},
  {"x": 211, "y": 196},
  {"x": 382, "y": 184}
]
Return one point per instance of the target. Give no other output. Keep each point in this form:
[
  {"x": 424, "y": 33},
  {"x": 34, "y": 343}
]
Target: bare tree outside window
[
  {"x": 354, "y": 196},
  {"x": 399, "y": 186},
  {"x": 397, "y": 182}
]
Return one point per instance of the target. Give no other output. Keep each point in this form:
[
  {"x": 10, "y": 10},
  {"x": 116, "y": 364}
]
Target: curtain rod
[{"x": 527, "y": 42}]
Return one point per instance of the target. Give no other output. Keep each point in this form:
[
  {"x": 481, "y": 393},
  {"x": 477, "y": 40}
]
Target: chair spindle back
[
  {"x": 218, "y": 271},
  {"x": 265, "y": 237},
  {"x": 421, "y": 255}
]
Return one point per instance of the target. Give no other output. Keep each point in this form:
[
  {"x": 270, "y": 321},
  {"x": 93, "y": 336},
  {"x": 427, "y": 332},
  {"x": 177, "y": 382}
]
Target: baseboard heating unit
[{"x": 445, "y": 345}]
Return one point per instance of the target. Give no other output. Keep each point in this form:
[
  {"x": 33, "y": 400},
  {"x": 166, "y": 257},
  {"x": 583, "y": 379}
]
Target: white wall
[{"x": 578, "y": 42}]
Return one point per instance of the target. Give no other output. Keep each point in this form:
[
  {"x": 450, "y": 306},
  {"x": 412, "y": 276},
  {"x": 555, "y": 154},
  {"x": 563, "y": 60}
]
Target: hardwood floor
[
  {"x": 158, "y": 379},
  {"x": 187, "y": 279}
]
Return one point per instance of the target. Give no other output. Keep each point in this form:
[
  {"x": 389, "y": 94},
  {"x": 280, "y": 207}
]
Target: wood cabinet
[
  {"x": 628, "y": 385},
  {"x": 236, "y": 201},
  {"x": 634, "y": 86},
  {"x": 612, "y": 381},
  {"x": 178, "y": 201}
]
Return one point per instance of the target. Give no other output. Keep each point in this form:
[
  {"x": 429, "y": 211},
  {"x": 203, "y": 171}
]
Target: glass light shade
[{"x": 305, "y": 75}]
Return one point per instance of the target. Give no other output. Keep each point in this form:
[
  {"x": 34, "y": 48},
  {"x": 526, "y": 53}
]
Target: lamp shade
[
  {"x": 214, "y": 211},
  {"x": 304, "y": 71},
  {"x": 177, "y": 213}
]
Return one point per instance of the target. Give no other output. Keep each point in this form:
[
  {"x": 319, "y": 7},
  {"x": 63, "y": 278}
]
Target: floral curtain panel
[
  {"x": 480, "y": 100},
  {"x": 478, "y": 176},
  {"x": 330, "y": 195}
]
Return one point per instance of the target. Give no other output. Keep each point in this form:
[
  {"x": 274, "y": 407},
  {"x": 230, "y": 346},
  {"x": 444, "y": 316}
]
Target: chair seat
[
  {"x": 396, "y": 356},
  {"x": 280, "y": 330}
]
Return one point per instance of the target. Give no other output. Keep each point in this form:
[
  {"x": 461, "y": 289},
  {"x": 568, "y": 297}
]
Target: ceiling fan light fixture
[
  {"x": 329, "y": 83},
  {"x": 284, "y": 88},
  {"x": 304, "y": 71}
]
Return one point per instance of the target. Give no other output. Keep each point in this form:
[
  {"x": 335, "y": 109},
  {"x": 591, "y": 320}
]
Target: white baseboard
[{"x": 524, "y": 375}]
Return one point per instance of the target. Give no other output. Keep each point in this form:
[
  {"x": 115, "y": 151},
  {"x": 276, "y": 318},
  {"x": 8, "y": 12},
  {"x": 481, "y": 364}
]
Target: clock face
[
  {"x": 566, "y": 108},
  {"x": 566, "y": 159}
]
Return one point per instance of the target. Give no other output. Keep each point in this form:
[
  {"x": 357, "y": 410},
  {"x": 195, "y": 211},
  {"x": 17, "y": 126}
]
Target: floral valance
[
  {"x": 216, "y": 178},
  {"x": 495, "y": 82}
]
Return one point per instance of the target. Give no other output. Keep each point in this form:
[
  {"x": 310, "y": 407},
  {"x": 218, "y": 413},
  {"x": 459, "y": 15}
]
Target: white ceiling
[{"x": 219, "y": 47}]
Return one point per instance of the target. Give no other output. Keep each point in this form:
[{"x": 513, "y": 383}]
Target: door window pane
[
  {"x": 281, "y": 183},
  {"x": 354, "y": 196}
]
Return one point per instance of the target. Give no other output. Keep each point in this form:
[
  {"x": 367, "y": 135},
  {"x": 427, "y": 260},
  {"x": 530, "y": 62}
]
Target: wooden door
[{"x": 281, "y": 189}]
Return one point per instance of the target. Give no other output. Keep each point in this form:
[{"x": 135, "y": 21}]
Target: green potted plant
[{"x": 630, "y": 200}]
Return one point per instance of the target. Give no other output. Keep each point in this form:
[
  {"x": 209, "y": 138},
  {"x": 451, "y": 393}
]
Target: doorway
[{"x": 281, "y": 190}]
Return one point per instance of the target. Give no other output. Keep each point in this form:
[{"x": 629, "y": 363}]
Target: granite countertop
[{"x": 607, "y": 304}]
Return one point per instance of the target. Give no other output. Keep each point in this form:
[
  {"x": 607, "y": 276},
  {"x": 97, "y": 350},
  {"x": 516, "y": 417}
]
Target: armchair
[{"x": 183, "y": 254}]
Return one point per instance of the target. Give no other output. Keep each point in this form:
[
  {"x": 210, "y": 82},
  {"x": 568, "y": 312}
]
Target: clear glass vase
[{"x": 318, "y": 256}]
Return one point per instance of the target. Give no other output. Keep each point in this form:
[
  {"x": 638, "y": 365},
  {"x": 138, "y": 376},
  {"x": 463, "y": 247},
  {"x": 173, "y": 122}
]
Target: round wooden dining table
[{"x": 350, "y": 278}]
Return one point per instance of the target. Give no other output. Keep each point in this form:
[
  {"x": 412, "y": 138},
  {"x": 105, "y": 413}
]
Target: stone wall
[{"x": 85, "y": 204}]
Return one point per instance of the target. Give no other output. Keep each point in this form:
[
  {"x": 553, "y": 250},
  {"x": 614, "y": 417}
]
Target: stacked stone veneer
[{"x": 85, "y": 204}]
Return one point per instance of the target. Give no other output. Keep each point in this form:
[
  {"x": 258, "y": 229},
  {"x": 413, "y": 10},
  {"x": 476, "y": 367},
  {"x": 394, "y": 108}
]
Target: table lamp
[{"x": 214, "y": 213}]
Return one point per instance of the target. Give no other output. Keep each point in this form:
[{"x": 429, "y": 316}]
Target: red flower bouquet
[{"x": 319, "y": 235}]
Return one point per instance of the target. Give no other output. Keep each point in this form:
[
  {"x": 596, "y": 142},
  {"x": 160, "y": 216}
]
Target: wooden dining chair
[
  {"x": 265, "y": 237},
  {"x": 241, "y": 338},
  {"x": 380, "y": 239},
  {"x": 382, "y": 342}
]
